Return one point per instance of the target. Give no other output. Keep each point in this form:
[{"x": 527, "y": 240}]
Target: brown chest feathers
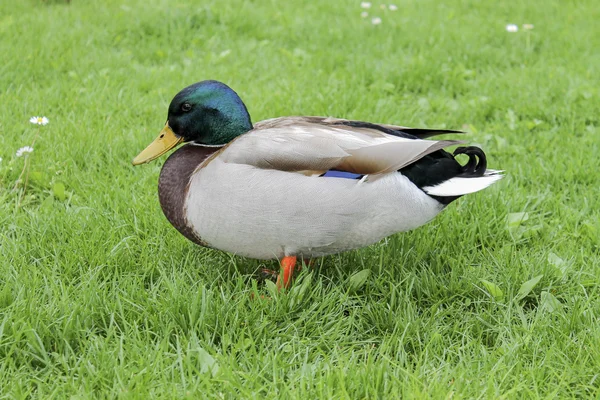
[{"x": 173, "y": 186}]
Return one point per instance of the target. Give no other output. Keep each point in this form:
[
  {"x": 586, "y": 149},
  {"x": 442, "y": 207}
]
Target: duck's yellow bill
[{"x": 165, "y": 141}]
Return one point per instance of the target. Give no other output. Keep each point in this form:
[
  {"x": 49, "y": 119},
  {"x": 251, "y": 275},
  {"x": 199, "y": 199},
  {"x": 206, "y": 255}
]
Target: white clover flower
[
  {"x": 376, "y": 21},
  {"x": 39, "y": 120},
  {"x": 528, "y": 27},
  {"x": 393, "y": 7},
  {"x": 512, "y": 28},
  {"x": 24, "y": 150},
  {"x": 365, "y": 4},
  {"x": 0, "y": 159},
  {"x": 364, "y": 14}
]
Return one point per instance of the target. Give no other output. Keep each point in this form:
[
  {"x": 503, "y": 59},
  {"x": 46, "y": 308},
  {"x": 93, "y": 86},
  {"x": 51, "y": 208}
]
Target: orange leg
[{"x": 287, "y": 272}]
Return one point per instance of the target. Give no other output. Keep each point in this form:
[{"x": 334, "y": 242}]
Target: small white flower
[
  {"x": 393, "y": 7},
  {"x": 528, "y": 27},
  {"x": 365, "y": 4},
  {"x": 376, "y": 21},
  {"x": 39, "y": 120},
  {"x": 364, "y": 14},
  {"x": 24, "y": 150},
  {"x": 512, "y": 28},
  {"x": 0, "y": 159}
]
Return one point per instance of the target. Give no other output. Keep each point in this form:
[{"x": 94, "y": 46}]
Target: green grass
[{"x": 101, "y": 297}]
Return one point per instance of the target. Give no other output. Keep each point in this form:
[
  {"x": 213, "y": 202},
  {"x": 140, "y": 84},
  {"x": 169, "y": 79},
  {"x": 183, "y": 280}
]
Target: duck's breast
[{"x": 174, "y": 184}]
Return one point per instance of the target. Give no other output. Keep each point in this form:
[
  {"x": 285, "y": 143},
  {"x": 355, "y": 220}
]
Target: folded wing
[{"x": 313, "y": 145}]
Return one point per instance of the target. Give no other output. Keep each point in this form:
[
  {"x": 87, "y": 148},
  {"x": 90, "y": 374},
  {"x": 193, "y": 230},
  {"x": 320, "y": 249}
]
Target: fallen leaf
[
  {"x": 549, "y": 303},
  {"x": 493, "y": 290},
  {"x": 358, "y": 279},
  {"x": 527, "y": 287},
  {"x": 516, "y": 219}
]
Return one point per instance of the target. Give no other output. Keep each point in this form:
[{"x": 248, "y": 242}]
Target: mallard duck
[{"x": 305, "y": 187}]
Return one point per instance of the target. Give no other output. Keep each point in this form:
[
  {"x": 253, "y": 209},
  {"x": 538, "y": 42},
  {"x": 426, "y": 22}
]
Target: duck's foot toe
[
  {"x": 285, "y": 275},
  {"x": 267, "y": 274}
]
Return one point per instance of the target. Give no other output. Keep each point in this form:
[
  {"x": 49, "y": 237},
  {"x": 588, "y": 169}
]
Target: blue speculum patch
[{"x": 341, "y": 174}]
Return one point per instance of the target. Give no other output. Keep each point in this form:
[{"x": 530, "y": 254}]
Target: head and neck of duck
[{"x": 207, "y": 115}]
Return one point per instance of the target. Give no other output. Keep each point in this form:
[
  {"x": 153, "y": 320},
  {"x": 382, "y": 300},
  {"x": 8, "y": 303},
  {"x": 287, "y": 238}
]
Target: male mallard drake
[{"x": 300, "y": 186}]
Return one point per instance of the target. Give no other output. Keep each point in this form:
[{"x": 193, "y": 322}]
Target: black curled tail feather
[{"x": 477, "y": 164}]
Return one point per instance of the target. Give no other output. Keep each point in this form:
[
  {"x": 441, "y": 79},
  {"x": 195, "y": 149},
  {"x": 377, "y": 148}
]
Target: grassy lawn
[{"x": 498, "y": 297}]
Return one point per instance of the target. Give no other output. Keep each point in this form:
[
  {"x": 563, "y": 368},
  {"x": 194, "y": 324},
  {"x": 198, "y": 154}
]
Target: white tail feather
[{"x": 459, "y": 186}]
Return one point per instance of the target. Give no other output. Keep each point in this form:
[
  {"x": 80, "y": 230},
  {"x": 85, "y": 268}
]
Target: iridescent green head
[{"x": 208, "y": 112}]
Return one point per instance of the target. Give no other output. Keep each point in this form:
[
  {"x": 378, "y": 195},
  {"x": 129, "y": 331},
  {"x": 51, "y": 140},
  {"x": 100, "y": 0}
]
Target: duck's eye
[{"x": 185, "y": 107}]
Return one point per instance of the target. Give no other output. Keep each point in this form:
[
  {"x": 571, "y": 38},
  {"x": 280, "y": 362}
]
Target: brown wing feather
[{"x": 313, "y": 145}]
